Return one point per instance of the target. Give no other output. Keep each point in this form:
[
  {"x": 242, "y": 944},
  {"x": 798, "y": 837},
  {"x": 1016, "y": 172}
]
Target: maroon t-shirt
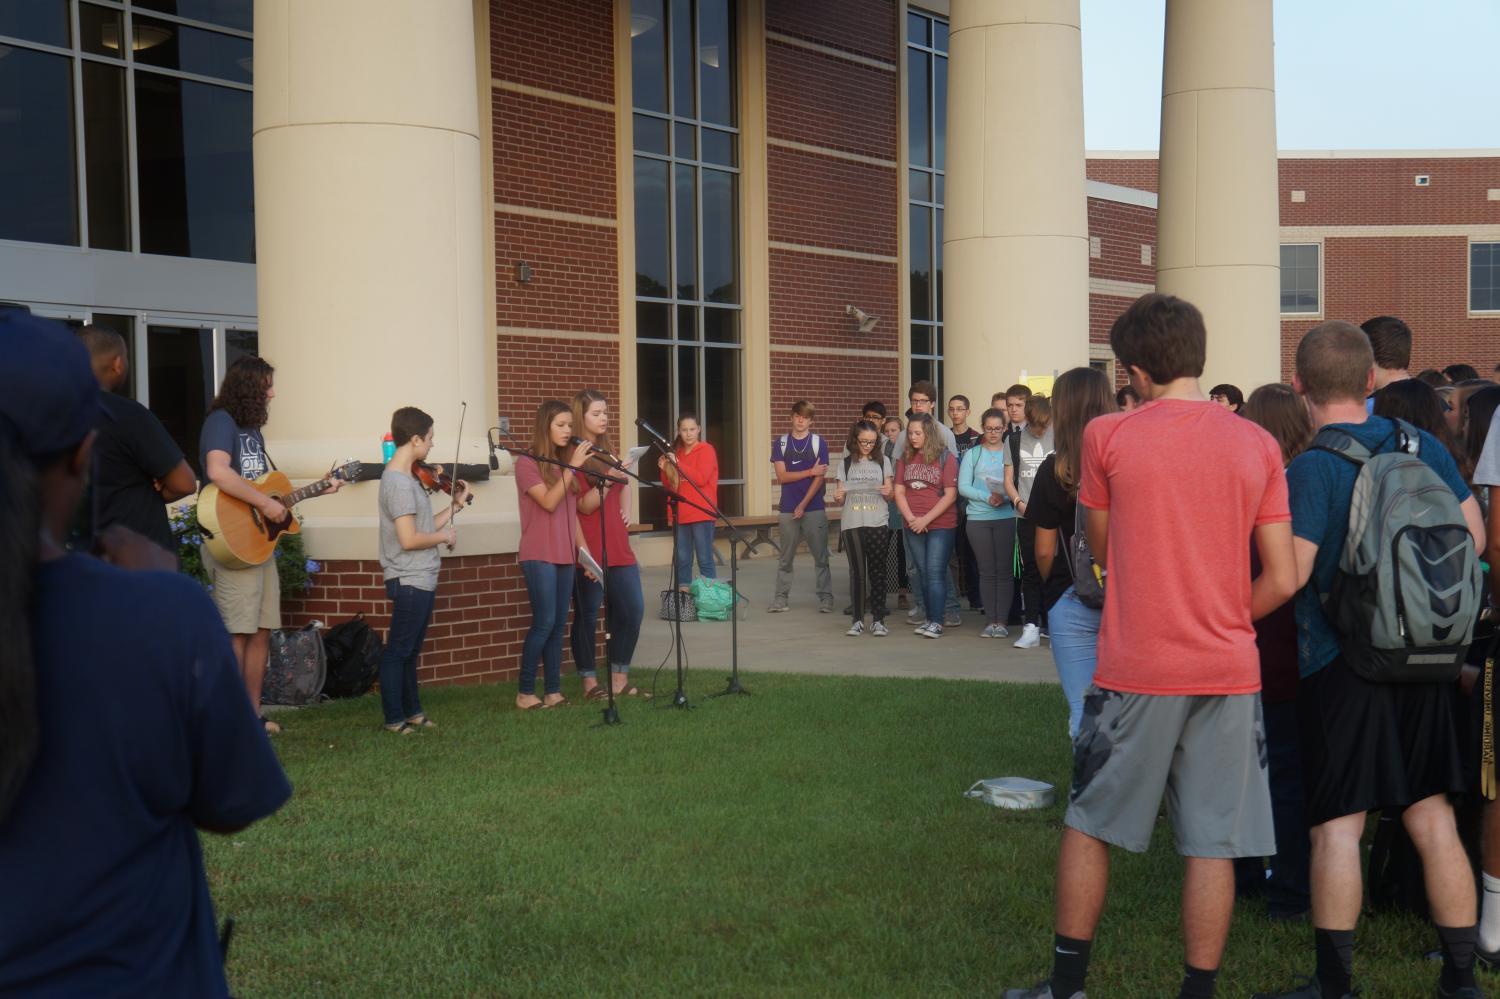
[
  {"x": 613, "y": 522},
  {"x": 925, "y": 483}
]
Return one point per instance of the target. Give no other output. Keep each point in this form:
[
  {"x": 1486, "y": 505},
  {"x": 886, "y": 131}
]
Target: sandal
[
  {"x": 404, "y": 728},
  {"x": 563, "y": 703},
  {"x": 421, "y": 721},
  {"x": 631, "y": 690},
  {"x": 272, "y": 728},
  {"x": 596, "y": 694},
  {"x": 538, "y": 706}
]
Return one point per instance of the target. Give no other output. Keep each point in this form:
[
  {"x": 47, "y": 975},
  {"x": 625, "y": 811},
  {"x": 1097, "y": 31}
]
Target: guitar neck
[{"x": 298, "y": 495}]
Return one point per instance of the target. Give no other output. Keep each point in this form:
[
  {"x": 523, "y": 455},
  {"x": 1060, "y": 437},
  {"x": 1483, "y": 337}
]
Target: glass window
[
  {"x": 44, "y": 21},
  {"x": 107, "y": 165},
  {"x": 236, "y": 14},
  {"x": 191, "y": 50},
  {"x": 687, "y": 227},
  {"x": 1484, "y": 277},
  {"x": 1299, "y": 278},
  {"x": 38, "y": 201},
  {"x": 927, "y": 138},
  {"x": 240, "y": 343},
  {"x": 197, "y": 196},
  {"x": 99, "y": 30},
  {"x": 182, "y": 383}
]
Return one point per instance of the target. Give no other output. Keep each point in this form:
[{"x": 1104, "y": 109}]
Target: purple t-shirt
[
  {"x": 799, "y": 457},
  {"x": 545, "y": 537}
]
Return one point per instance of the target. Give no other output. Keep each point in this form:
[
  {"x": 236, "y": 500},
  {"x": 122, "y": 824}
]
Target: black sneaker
[
  {"x": 1042, "y": 990},
  {"x": 1309, "y": 989},
  {"x": 1489, "y": 960},
  {"x": 1467, "y": 992}
]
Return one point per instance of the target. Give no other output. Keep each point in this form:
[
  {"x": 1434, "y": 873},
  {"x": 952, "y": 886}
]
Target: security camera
[{"x": 866, "y": 321}]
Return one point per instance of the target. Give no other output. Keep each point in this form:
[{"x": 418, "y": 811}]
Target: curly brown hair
[{"x": 242, "y": 394}]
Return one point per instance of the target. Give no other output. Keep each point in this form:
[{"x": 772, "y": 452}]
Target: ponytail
[{"x": 20, "y": 527}]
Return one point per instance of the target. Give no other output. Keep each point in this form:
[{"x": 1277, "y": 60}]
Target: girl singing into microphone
[
  {"x": 605, "y": 532},
  {"x": 550, "y": 540},
  {"x": 698, "y": 462}
]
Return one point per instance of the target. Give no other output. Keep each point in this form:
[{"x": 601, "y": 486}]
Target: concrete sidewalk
[{"x": 802, "y": 640}]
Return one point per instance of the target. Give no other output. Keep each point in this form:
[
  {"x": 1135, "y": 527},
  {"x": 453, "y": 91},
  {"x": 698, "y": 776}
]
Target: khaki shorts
[
  {"x": 248, "y": 599},
  {"x": 1207, "y": 754}
]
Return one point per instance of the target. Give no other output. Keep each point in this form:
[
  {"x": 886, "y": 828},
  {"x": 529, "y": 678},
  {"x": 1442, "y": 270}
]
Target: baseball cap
[{"x": 49, "y": 398}]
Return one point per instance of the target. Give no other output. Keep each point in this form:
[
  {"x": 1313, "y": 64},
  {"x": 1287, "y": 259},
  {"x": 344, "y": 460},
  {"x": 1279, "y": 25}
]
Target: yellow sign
[{"x": 1040, "y": 384}]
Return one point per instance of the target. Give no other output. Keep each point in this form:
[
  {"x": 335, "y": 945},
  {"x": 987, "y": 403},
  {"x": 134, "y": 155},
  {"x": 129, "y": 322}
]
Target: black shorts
[{"x": 1368, "y": 746}]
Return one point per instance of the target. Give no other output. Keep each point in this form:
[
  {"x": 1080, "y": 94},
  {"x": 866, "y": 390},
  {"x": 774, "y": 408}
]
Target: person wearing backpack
[
  {"x": 1079, "y": 395},
  {"x": 864, "y": 481},
  {"x": 991, "y": 520},
  {"x": 1366, "y": 743},
  {"x": 801, "y": 462},
  {"x": 926, "y": 489}
]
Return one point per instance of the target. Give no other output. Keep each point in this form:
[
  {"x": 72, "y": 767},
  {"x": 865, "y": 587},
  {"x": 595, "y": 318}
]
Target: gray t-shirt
[
  {"x": 1034, "y": 451},
  {"x": 400, "y": 496},
  {"x": 863, "y": 504}
]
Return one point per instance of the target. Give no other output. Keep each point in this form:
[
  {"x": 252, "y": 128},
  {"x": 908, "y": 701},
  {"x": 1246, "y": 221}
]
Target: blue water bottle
[{"x": 387, "y": 448}]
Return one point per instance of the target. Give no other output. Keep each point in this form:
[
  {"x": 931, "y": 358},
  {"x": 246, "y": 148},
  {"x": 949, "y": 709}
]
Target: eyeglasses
[
  {"x": 994, "y": 430},
  {"x": 866, "y": 443},
  {"x": 920, "y": 398}
]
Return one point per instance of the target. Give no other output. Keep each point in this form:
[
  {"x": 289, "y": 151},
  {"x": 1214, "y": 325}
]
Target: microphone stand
[{"x": 736, "y": 538}]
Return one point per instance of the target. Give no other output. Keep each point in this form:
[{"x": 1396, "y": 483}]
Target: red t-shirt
[
  {"x": 613, "y": 521},
  {"x": 1185, "y": 484},
  {"x": 701, "y": 464},
  {"x": 925, "y": 483},
  {"x": 545, "y": 537}
]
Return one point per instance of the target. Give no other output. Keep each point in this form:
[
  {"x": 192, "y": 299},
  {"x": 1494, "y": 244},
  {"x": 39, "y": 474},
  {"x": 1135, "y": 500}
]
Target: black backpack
[{"x": 354, "y": 651}]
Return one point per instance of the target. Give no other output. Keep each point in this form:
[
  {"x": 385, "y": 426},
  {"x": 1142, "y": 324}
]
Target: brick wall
[
  {"x": 1122, "y": 230},
  {"x": 478, "y": 623}
]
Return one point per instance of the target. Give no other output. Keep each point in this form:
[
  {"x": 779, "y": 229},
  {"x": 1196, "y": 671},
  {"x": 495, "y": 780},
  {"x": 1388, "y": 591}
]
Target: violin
[{"x": 434, "y": 479}]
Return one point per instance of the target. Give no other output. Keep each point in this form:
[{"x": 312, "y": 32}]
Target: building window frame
[
  {"x": 1317, "y": 312},
  {"x": 1493, "y": 244},
  {"x": 924, "y": 363},
  {"x": 129, "y": 65}
]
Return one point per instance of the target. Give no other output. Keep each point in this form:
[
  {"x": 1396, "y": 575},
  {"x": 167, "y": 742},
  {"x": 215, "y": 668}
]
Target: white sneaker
[
  {"x": 933, "y": 630},
  {"x": 916, "y": 614},
  {"x": 921, "y": 629},
  {"x": 856, "y": 629},
  {"x": 878, "y": 629},
  {"x": 1031, "y": 637},
  {"x": 988, "y": 632}
]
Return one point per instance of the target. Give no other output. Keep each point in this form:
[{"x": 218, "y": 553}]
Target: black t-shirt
[
  {"x": 133, "y": 451},
  {"x": 1051, "y": 507},
  {"x": 967, "y": 439}
]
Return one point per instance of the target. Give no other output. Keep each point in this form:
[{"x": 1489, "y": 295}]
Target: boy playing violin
[{"x": 410, "y": 534}]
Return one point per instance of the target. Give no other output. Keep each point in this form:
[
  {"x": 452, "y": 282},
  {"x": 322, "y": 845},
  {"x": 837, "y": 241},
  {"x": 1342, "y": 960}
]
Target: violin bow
[{"x": 463, "y": 411}]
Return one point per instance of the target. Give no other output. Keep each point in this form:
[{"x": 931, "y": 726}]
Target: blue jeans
[
  {"x": 695, "y": 539},
  {"x": 1075, "y": 650},
  {"x": 930, "y": 553},
  {"x": 411, "y": 610},
  {"x": 1288, "y": 888},
  {"x": 549, "y": 586},
  {"x": 626, "y": 608},
  {"x": 914, "y": 578}
]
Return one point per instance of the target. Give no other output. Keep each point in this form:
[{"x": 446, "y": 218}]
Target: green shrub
[{"x": 293, "y": 566}]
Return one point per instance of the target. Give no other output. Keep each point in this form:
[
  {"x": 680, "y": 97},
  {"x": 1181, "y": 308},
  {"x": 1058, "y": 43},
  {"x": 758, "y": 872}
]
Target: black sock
[
  {"x": 1458, "y": 956},
  {"x": 1197, "y": 983},
  {"x": 1070, "y": 965},
  {"x": 1335, "y": 949}
]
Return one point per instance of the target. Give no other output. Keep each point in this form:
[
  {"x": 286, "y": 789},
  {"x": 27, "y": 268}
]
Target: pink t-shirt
[
  {"x": 925, "y": 483},
  {"x": 545, "y": 537},
  {"x": 1185, "y": 484}
]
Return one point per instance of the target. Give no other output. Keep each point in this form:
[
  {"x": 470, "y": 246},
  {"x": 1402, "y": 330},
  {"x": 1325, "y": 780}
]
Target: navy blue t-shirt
[
  {"x": 146, "y": 733},
  {"x": 1320, "y": 487},
  {"x": 245, "y": 446}
]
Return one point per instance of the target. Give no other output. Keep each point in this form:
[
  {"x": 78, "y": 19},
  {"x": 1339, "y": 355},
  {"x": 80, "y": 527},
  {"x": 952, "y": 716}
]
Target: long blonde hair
[
  {"x": 541, "y": 438},
  {"x": 932, "y": 443}
]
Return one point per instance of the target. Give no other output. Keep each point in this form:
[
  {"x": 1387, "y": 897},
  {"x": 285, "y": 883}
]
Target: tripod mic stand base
[
  {"x": 610, "y": 716},
  {"x": 680, "y": 699},
  {"x": 733, "y": 687}
]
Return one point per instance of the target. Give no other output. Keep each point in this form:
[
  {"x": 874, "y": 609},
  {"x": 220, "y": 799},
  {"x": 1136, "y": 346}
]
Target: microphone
[
  {"x": 596, "y": 450},
  {"x": 651, "y": 431},
  {"x": 494, "y": 458}
]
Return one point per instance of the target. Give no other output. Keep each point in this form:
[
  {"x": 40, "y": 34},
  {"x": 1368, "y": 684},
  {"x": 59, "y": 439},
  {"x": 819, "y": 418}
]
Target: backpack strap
[{"x": 1342, "y": 444}]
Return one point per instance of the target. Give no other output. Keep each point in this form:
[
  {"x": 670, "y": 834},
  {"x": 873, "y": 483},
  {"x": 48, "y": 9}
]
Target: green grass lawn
[{"x": 810, "y": 840}]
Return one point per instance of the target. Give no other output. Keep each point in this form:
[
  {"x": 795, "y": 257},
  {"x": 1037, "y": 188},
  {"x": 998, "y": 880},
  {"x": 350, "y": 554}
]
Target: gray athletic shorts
[{"x": 1207, "y": 753}]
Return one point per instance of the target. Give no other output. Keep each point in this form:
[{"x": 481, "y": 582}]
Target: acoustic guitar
[{"x": 238, "y": 535}]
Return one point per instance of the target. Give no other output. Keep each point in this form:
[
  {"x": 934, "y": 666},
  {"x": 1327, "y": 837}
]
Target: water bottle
[{"x": 387, "y": 448}]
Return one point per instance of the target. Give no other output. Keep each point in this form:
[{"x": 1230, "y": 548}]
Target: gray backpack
[
  {"x": 1406, "y": 596},
  {"x": 1088, "y": 578}
]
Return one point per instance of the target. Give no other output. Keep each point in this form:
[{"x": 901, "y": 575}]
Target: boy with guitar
[{"x": 233, "y": 453}]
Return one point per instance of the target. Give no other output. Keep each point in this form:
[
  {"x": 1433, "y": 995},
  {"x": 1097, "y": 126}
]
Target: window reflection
[
  {"x": 192, "y": 50},
  {"x": 38, "y": 202},
  {"x": 196, "y": 188},
  {"x": 236, "y": 14},
  {"x": 44, "y": 21},
  {"x": 107, "y": 166},
  {"x": 183, "y": 361}
]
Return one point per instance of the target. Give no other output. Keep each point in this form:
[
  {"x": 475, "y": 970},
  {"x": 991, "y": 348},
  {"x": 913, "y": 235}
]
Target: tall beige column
[
  {"x": 370, "y": 222},
  {"x": 1016, "y": 293},
  {"x": 1217, "y": 220}
]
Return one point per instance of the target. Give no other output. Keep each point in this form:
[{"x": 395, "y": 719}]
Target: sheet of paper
[
  {"x": 633, "y": 457},
  {"x": 994, "y": 485},
  {"x": 587, "y": 561}
]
